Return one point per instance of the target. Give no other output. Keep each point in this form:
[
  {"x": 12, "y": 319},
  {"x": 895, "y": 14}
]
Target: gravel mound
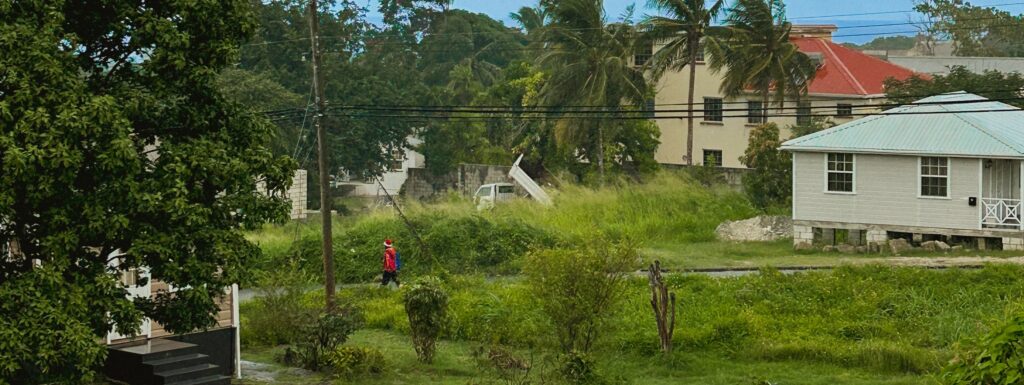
[{"x": 759, "y": 228}]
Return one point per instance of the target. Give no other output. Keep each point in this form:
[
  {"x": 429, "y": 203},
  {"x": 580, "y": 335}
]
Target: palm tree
[
  {"x": 531, "y": 19},
  {"x": 685, "y": 25},
  {"x": 757, "y": 54},
  {"x": 587, "y": 61}
]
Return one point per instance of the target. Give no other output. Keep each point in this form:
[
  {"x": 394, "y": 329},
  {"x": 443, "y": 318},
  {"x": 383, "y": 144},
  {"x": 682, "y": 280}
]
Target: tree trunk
[
  {"x": 689, "y": 103},
  {"x": 664, "y": 305}
]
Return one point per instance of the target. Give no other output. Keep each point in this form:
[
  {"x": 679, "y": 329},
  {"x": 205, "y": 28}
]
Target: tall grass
[
  {"x": 883, "y": 319},
  {"x": 669, "y": 208}
]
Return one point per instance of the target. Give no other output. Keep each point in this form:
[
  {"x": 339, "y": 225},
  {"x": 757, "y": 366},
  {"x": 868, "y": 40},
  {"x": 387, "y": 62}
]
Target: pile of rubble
[
  {"x": 760, "y": 228},
  {"x": 896, "y": 246}
]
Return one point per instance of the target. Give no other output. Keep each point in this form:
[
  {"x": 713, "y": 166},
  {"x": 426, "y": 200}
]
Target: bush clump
[
  {"x": 351, "y": 362},
  {"x": 276, "y": 314},
  {"x": 426, "y": 304},
  {"x": 319, "y": 339},
  {"x": 999, "y": 358}
]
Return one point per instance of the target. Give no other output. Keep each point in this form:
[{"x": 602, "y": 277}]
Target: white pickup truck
[{"x": 487, "y": 195}]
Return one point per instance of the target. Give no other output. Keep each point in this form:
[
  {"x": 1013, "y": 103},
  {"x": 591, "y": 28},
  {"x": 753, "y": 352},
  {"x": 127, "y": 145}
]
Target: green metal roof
[{"x": 963, "y": 130}]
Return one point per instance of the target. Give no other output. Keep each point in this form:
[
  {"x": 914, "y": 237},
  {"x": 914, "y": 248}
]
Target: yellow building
[{"x": 846, "y": 78}]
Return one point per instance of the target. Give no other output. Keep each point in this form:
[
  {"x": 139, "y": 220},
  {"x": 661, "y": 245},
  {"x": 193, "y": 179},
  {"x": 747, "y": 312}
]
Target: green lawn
[
  {"x": 455, "y": 365},
  {"x": 852, "y": 325}
]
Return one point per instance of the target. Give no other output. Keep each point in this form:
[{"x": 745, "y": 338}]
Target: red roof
[{"x": 847, "y": 71}]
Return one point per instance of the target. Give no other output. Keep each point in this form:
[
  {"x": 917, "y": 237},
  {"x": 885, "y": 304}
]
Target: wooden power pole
[{"x": 321, "y": 140}]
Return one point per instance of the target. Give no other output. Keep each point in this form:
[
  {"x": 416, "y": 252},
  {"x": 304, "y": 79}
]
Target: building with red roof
[{"x": 848, "y": 84}]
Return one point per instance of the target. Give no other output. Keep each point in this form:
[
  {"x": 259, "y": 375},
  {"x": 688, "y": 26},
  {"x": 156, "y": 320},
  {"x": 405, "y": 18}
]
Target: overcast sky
[{"x": 799, "y": 11}]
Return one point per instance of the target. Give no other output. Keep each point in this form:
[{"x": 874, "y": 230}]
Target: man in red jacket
[{"x": 390, "y": 265}]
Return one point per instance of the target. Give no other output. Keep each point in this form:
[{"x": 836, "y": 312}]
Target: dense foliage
[
  {"x": 1004, "y": 87},
  {"x": 976, "y": 30},
  {"x": 426, "y": 305},
  {"x": 114, "y": 137},
  {"x": 998, "y": 360},
  {"x": 770, "y": 182},
  {"x": 578, "y": 288}
]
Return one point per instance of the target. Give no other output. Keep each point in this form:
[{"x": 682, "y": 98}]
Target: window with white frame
[
  {"x": 935, "y": 177},
  {"x": 839, "y": 173}
]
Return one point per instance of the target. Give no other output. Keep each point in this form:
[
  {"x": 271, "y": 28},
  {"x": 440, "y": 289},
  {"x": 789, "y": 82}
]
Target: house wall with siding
[{"x": 887, "y": 192}]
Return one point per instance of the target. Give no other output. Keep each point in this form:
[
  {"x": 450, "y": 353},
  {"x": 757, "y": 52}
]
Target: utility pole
[{"x": 321, "y": 140}]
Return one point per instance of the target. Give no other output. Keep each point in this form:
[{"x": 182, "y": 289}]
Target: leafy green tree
[
  {"x": 364, "y": 65},
  {"x": 756, "y": 53},
  {"x": 531, "y": 19},
  {"x": 588, "y": 63},
  {"x": 998, "y": 358},
  {"x": 578, "y": 289},
  {"x": 816, "y": 124},
  {"x": 474, "y": 41},
  {"x": 426, "y": 304},
  {"x": 114, "y": 137},
  {"x": 679, "y": 36},
  {"x": 990, "y": 84},
  {"x": 770, "y": 180},
  {"x": 259, "y": 93},
  {"x": 975, "y": 30}
]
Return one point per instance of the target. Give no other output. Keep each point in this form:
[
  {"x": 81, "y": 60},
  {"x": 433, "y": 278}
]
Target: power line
[
  {"x": 473, "y": 109},
  {"x": 448, "y": 116},
  {"x": 474, "y": 33},
  {"x": 888, "y": 12}
]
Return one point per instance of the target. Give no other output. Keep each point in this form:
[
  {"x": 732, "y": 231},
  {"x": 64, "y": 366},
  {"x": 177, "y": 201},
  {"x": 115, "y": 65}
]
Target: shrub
[
  {"x": 999, "y": 358},
  {"x": 321, "y": 338},
  {"x": 769, "y": 183},
  {"x": 459, "y": 243},
  {"x": 510, "y": 368},
  {"x": 350, "y": 362},
  {"x": 579, "y": 288},
  {"x": 493, "y": 313},
  {"x": 278, "y": 314},
  {"x": 578, "y": 368},
  {"x": 426, "y": 305}
]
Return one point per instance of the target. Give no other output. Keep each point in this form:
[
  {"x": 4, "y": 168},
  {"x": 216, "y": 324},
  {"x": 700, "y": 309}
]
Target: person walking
[{"x": 390, "y": 265}]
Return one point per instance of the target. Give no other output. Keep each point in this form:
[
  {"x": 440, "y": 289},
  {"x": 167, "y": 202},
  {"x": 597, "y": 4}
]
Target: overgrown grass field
[
  {"x": 854, "y": 325},
  {"x": 669, "y": 217}
]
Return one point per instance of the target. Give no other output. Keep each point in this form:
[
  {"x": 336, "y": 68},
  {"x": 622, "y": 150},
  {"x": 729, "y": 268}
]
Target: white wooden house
[{"x": 945, "y": 167}]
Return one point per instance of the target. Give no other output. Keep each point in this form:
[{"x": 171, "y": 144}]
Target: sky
[{"x": 854, "y": 29}]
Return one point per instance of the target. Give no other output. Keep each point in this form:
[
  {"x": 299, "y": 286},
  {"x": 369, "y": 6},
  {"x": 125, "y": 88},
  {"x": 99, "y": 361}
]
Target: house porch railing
[{"x": 1004, "y": 213}]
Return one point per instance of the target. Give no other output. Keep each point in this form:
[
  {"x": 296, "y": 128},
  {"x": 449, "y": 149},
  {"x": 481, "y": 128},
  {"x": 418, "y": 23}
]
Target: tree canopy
[
  {"x": 975, "y": 30},
  {"x": 990, "y": 84},
  {"x": 115, "y": 137}
]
